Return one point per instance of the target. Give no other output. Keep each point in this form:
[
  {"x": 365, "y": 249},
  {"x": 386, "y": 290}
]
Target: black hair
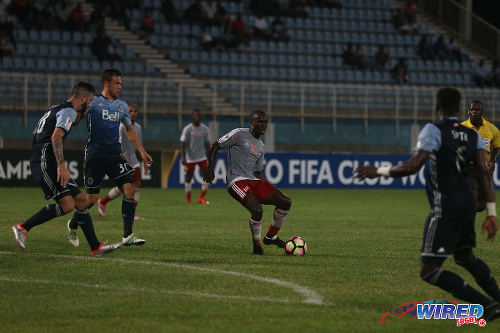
[
  {"x": 257, "y": 113},
  {"x": 82, "y": 88},
  {"x": 478, "y": 101},
  {"x": 448, "y": 99},
  {"x": 110, "y": 73}
]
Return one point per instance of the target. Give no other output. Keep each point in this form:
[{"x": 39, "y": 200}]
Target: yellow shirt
[{"x": 489, "y": 133}]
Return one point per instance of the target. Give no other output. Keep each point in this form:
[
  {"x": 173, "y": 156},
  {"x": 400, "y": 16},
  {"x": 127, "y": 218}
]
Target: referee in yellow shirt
[{"x": 491, "y": 136}]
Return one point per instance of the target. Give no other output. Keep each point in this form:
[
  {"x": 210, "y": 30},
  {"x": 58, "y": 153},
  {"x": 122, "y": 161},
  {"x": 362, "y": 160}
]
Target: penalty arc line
[
  {"x": 149, "y": 290},
  {"x": 310, "y": 296}
]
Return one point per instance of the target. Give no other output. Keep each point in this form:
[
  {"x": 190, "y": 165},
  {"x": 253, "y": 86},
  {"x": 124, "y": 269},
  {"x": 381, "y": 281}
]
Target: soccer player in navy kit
[
  {"x": 103, "y": 151},
  {"x": 449, "y": 228},
  {"x": 49, "y": 169},
  {"x": 246, "y": 182}
]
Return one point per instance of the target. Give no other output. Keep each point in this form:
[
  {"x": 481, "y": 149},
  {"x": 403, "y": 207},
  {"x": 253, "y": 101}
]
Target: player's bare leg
[
  {"x": 188, "y": 186},
  {"x": 254, "y": 206},
  {"x": 204, "y": 188},
  {"x": 283, "y": 204}
]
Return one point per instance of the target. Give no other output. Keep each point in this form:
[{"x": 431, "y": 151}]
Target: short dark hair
[
  {"x": 478, "y": 101},
  {"x": 82, "y": 88},
  {"x": 257, "y": 113},
  {"x": 448, "y": 99},
  {"x": 196, "y": 110},
  {"x": 110, "y": 73}
]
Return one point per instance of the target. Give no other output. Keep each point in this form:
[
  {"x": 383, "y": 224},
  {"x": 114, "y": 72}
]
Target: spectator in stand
[
  {"x": 348, "y": 55},
  {"x": 226, "y": 39},
  {"x": 494, "y": 74},
  {"x": 440, "y": 49},
  {"x": 239, "y": 31},
  {"x": 206, "y": 40},
  {"x": 103, "y": 48},
  {"x": 194, "y": 13},
  {"x": 297, "y": 8},
  {"x": 400, "y": 72},
  {"x": 148, "y": 22},
  {"x": 63, "y": 11},
  {"x": 209, "y": 11},
  {"x": 328, "y": 3},
  {"x": 399, "y": 23},
  {"x": 410, "y": 12},
  {"x": 169, "y": 12},
  {"x": 278, "y": 30},
  {"x": 265, "y": 7},
  {"x": 480, "y": 75},
  {"x": 6, "y": 24},
  {"x": 359, "y": 57},
  {"x": 260, "y": 28},
  {"x": 381, "y": 59},
  {"x": 119, "y": 13},
  {"x": 4, "y": 49},
  {"x": 221, "y": 18},
  {"x": 425, "y": 49},
  {"x": 48, "y": 21},
  {"x": 76, "y": 20}
]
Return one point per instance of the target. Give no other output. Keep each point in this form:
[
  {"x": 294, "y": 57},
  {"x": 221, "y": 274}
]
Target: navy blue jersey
[
  {"x": 63, "y": 116},
  {"x": 104, "y": 118},
  {"x": 452, "y": 147}
]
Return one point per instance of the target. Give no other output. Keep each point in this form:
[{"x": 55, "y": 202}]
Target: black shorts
[
  {"x": 114, "y": 166},
  {"x": 45, "y": 172},
  {"x": 449, "y": 229}
]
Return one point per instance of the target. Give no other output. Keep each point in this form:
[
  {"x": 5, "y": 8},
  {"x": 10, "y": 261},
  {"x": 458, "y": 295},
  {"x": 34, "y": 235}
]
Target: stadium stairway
[{"x": 168, "y": 68}]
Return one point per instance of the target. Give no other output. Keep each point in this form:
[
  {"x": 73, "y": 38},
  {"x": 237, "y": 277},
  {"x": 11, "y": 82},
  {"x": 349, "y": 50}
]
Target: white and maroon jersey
[
  {"x": 245, "y": 154},
  {"x": 128, "y": 149},
  {"x": 196, "y": 139}
]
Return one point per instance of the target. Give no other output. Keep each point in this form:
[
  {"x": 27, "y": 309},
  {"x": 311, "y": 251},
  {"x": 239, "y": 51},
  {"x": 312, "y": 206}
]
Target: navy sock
[
  {"x": 481, "y": 272},
  {"x": 45, "y": 214},
  {"x": 455, "y": 285},
  {"x": 72, "y": 223},
  {"x": 128, "y": 211},
  {"x": 85, "y": 222}
]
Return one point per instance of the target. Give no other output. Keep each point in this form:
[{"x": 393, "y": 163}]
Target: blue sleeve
[
  {"x": 126, "y": 115},
  {"x": 481, "y": 145},
  {"x": 429, "y": 138},
  {"x": 65, "y": 118}
]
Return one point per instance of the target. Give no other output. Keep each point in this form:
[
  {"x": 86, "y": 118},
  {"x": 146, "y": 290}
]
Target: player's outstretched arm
[
  {"x": 132, "y": 136},
  {"x": 63, "y": 175},
  {"x": 406, "y": 168},
  {"x": 490, "y": 224},
  {"x": 209, "y": 177}
]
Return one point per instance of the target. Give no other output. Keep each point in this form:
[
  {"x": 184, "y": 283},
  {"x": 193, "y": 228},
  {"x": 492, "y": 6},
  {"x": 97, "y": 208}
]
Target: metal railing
[
  {"x": 470, "y": 27},
  {"x": 328, "y": 102}
]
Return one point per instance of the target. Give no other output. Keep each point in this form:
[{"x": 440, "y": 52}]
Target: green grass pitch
[{"x": 196, "y": 272}]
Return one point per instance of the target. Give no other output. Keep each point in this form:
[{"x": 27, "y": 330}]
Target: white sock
[
  {"x": 256, "y": 227},
  {"x": 204, "y": 186},
  {"x": 137, "y": 195},
  {"x": 187, "y": 187},
  {"x": 114, "y": 192},
  {"x": 279, "y": 216}
]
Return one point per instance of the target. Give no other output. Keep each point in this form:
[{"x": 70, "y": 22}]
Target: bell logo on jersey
[{"x": 110, "y": 116}]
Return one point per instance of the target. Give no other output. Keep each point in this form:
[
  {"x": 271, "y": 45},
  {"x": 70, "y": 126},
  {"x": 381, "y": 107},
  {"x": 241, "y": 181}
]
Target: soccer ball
[{"x": 296, "y": 246}]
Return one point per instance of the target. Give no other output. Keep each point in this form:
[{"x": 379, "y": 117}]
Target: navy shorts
[
  {"x": 114, "y": 166},
  {"x": 448, "y": 230},
  {"x": 45, "y": 172}
]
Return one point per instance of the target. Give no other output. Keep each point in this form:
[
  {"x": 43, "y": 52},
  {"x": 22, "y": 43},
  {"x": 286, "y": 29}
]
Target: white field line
[
  {"x": 148, "y": 290},
  {"x": 310, "y": 296}
]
